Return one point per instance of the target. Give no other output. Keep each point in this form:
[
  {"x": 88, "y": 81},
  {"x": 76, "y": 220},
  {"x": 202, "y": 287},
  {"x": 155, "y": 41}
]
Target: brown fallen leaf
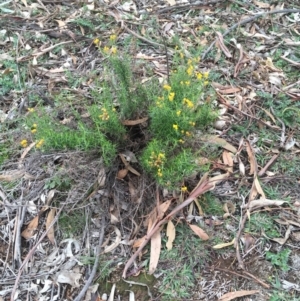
[
  {"x": 222, "y": 45},
  {"x": 255, "y": 190},
  {"x": 282, "y": 241},
  {"x": 128, "y": 166},
  {"x": 200, "y": 232},
  {"x": 252, "y": 159},
  {"x": 255, "y": 204},
  {"x": 132, "y": 170},
  {"x": 228, "y": 160},
  {"x": 154, "y": 251},
  {"x": 234, "y": 295},
  {"x": 224, "y": 245},
  {"x": 217, "y": 179},
  {"x": 31, "y": 228},
  {"x": 139, "y": 241},
  {"x": 117, "y": 241},
  {"x": 171, "y": 232},
  {"x": 122, "y": 173},
  {"x": 157, "y": 214},
  {"x": 229, "y": 209},
  {"x": 220, "y": 142},
  {"x": 50, "y": 232}
]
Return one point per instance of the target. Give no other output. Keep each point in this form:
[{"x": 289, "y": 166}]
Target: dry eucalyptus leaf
[
  {"x": 224, "y": 245},
  {"x": 31, "y": 228},
  {"x": 69, "y": 277},
  {"x": 49, "y": 220},
  {"x": 138, "y": 242},
  {"x": 255, "y": 204},
  {"x": 115, "y": 243},
  {"x": 154, "y": 251},
  {"x": 101, "y": 177},
  {"x": 282, "y": 241},
  {"x": 220, "y": 142},
  {"x": 199, "y": 232},
  {"x": 229, "y": 209},
  {"x": 122, "y": 173},
  {"x": 171, "y": 232},
  {"x": 234, "y": 295}
]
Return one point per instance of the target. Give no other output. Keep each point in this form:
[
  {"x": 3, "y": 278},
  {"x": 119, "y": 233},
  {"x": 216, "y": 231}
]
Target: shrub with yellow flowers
[
  {"x": 176, "y": 115},
  {"x": 174, "y": 111}
]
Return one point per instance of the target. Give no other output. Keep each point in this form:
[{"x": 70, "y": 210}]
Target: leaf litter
[{"x": 257, "y": 58}]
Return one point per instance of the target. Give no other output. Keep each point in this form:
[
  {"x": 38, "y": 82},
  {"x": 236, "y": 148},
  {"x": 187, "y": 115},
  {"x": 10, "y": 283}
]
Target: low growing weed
[{"x": 280, "y": 259}]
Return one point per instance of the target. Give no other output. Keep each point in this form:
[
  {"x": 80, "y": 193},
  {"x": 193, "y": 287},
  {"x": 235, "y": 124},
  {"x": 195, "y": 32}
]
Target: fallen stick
[{"x": 95, "y": 266}]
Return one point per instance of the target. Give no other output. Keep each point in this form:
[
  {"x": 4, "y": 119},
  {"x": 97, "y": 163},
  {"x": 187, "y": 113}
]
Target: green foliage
[
  {"x": 211, "y": 205},
  {"x": 71, "y": 224},
  {"x": 58, "y": 182},
  {"x": 7, "y": 77},
  {"x": 177, "y": 283},
  {"x": 283, "y": 107},
  {"x": 4, "y": 152},
  {"x": 50, "y": 134},
  {"x": 262, "y": 222},
  {"x": 280, "y": 259},
  {"x": 84, "y": 22},
  {"x": 178, "y": 265},
  {"x": 176, "y": 112}
]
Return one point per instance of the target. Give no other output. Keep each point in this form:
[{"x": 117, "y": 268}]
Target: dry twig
[{"x": 97, "y": 256}]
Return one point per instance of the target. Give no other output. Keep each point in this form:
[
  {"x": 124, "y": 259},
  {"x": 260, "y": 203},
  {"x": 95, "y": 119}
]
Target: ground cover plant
[{"x": 149, "y": 150}]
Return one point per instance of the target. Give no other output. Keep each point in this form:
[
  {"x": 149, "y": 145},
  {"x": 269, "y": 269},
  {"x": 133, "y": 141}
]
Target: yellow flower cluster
[
  {"x": 159, "y": 101},
  {"x": 183, "y": 188},
  {"x": 104, "y": 116},
  {"x": 97, "y": 42},
  {"x": 188, "y": 103},
  {"x": 157, "y": 161},
  {"x": 171, "y": 96},
  {"x": 30, "y": 110},
  {"x": 204, "y": 75},
  {"x": 112, "y": 50},
  {"x": 24, "y": 143},
  {"x": 175, "y": 127},
  {"x": 113, "y": 37},
  {"x": 199, "y": 75},
  {"x": 167, "y": 87},
  {"x": 40, "y": 143},
  {"x": 190, "y": 70},
  {"x": 187, "y": 83},
  {"x": 34, "y": 128}
]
